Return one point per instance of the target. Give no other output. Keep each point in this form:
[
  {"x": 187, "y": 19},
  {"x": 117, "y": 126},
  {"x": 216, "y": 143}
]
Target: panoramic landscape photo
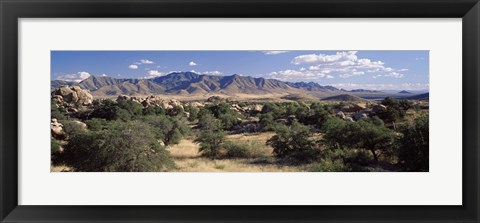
[{"x": 240, "y": 111}]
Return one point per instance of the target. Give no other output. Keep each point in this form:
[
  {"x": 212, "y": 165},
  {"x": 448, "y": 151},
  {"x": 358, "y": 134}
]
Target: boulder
[
  {"x": 359, "y": 115},
  {"x": 348, "y": 119},
  {"x": 74, "y": 95},
  {"x": 351, "y": 108},
  {"x": 56, "y": 129},
  {"x": 80, "y": 124},
  {"x": 196, "y": 104}
]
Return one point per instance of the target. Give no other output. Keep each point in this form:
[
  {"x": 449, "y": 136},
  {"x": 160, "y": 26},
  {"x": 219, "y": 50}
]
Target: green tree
[
  {"x": 320, "y": 113},
  {"x": 414, "y": 145},
  {"x": 56, "y": 112},
  {"x": 211, "y": 136},
  {"x": 153, "y": 110},
  {"x": 340, "y": 134},
  {"x": 96, "y": 124},
  {"x": 72, "y": 128},
  {"x": 395, "y": 111},
  {"x": 132, "y": 107},
  {"x": 105, "y": 109},
  {"x": 294, "y": 142},
  {"x": 168, "y": 129},
  {"x": 267, "y": 121},
  {"x": 229, "y": 120},
  {"x": 193, "y": 112},
  {"x": 121, "y": 147}
]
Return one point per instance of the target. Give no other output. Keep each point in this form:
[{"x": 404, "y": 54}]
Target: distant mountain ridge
[{"x": 193, "y": 83}]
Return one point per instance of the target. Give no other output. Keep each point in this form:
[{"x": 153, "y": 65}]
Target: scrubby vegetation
[{"x": 129, "y": 135}]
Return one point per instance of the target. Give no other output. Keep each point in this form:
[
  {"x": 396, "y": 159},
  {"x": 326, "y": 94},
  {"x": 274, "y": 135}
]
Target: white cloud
[
  {"x": 192, "y": 64},
  {"x": 419, "y": 58},
  {"x": 154, "y": 73},
  {"x": 214, "y": 72},
  {"x": 144, "y": 61},
  {"x": 394, "y": 74},
  {"x": 103, "y": 75},
  {"x": 133, "y": 67},
  {"x": 379, "y": 87},
  {"x": 323, "y": 58},
  {"x": 289, "y": 75},
  {"x": 80, "y": 76},
  {"x": 346, "y": 64},
  {"x": 274, "y": 52}
]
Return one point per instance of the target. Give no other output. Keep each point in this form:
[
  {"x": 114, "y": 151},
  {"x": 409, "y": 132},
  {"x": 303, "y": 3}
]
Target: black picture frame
[{"x": 11, "y": 11}]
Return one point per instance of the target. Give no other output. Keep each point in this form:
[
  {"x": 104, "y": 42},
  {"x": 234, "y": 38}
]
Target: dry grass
[
  {"x": 188, "y": 159},
  {"x": 61, "y": 168}
]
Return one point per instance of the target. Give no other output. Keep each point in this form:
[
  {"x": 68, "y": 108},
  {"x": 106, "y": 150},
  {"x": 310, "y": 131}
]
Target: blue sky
[{"x": 378, "y": 70}]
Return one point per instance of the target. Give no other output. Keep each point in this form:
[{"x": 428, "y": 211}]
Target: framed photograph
[{"x": 228, "y": 111}]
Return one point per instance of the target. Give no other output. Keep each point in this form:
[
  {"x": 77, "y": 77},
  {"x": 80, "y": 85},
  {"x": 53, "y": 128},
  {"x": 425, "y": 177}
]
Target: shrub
[
  {"x": 193, "y": 112},
  {"x": 327, "y": 165},
  {"x": 211, "y": 136},
  {"x": 267, "y": 121},
  {"x": 176, "y": 110},
  {"x": 236, "y": 150},
  {"x": 96, "y": 124},
  {"x": 132, "y": 107},
  {"x": 396, "y": 109},
  {"x": 293, "y": 142},
  {"x": 340, "y": 134},
  {"x": 168, "y": 129},
  {"x": 56, "y": 112},
  {"x": 153, "y": 110},
  {"x": 414, "y": 145},
  {"x": 228, "y": 120},
  {"x": 54, "y": 146},
  {"x": 122, "y": 147},
  {"x": 105, "y": 109},
  {"x": 72, "y": 128}
]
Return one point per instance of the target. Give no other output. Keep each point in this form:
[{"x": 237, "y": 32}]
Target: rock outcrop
[
  {"x": 56, "y": 129},
  {"x": 72, "y": 96}
]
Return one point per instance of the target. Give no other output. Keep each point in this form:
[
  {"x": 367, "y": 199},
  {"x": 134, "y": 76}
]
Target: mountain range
[{"x": 189, "y": 83}]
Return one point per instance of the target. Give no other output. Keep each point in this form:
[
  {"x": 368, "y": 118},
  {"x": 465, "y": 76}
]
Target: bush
[
  {"x": 294, "y": 142},
  {"x": 396, "y": 109},
  {"x": 121, "y": 147},
  {"x": 54, "y": 146},
  {"x": 72, "y": 128},
  {"x": 228, "y": 120},
  {"x": 176, "y": 110},
  {"x": 153, "y": 110},
  {"x": 224, "y": 113},
  {"x": 56, "y": 112},
  {"x": 414, "y": 145},
  {"x": 267, "y": 121},
  {"x": 96, "y": 124},
  {"x": 327, "y": 165},
  {"x": 193, "y": 112},
  {"x": 342, "y": 161},
  {"x": 211, "y": 136},
  {"x": 236, "y": 150},
  {"x": 340, "y": 134},
  {"x": 169, "y": 130},
  {"x": 105, "y": 109}
]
